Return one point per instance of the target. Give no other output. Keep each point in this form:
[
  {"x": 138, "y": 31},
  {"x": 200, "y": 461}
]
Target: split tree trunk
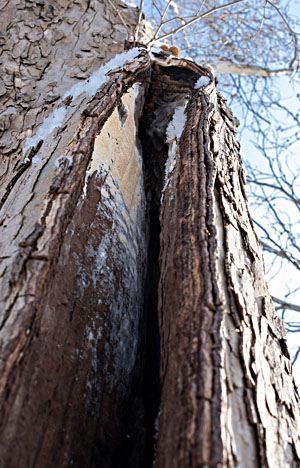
[
  {"x": 80, "y": 204},
  {"x": 225, "y": 368}
]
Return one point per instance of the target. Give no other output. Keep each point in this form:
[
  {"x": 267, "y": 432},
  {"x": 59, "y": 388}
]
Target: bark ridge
[{"x": 103, "y": 151}]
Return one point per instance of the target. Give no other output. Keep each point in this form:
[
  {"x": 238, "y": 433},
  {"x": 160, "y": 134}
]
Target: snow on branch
[{"x": 88, "y": 87}]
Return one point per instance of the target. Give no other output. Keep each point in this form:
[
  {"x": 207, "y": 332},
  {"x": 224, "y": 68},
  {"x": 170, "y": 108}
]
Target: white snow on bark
[
  {"x": 202, "y": 82},
  {"x": 176, "y": 125},
  {"x": 54, "y": 120},
  {"x": 89, "y": 87},
  {"x": 170, "y": 166},
  {"x": 99, "y": 77},
  {"x": 173, "y": 134}
]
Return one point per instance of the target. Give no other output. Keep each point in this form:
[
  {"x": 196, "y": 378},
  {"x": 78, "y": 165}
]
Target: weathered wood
[
  {"x": 79, "y": 259},
  {"x": 228, "y": 395},
  {"x": 73, "y": 241}
]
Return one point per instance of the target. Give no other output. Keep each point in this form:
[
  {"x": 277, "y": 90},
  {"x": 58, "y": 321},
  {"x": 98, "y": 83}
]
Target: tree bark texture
[
  {"x": 81, "y": 196},
  {"x": 73, "y": 247},
  {"x": 225, "y": 370}
]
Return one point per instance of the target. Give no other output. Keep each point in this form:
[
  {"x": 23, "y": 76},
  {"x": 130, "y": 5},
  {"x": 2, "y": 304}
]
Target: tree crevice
[
  {"x": 147, "y": 310},
  {"x": 169, "y": 88}
]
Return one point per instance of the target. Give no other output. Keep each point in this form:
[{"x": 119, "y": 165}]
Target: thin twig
[
  {"x": 286, "y": 305},
  {"x": 295, "y": 60},
  {"x": 162, "y": 22},
  {"x": 197, "y": 18},
  {"x": 117, "y": 11},
  {"x": 136, "y": 33}
]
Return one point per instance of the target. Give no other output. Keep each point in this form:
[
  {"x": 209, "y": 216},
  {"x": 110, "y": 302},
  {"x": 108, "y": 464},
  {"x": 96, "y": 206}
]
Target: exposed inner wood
[{"x": 92, "y": 219}]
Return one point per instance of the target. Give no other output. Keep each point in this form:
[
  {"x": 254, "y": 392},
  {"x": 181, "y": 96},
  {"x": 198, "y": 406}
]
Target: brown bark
[
  {"x": 79, "y": 260},
  {"x": 226, "y": 378},
  {"x": 73, "y": 241}
]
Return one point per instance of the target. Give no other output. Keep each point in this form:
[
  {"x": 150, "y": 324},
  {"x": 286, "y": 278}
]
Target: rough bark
[
  {"x": 226, "y": 375},
  {"x": 73, "y": 239},
  {"x": 79, "y": 342}
]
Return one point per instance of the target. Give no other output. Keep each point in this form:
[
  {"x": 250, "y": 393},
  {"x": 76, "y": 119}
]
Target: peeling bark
[{"x": 93, "y": 167}]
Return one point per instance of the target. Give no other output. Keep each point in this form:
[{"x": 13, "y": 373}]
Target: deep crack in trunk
[
  {"x": 169, "y": 88},
  {"x": 80, "y": 357}
]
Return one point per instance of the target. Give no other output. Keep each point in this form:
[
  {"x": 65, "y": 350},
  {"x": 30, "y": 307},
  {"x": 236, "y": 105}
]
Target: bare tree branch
[
  {"x": 276, "y": 186},
  {"x": 225, "y": 67},
  {"x": 139, "y": 20},
  {"x": 295, "y": 60},
  {"x": 286, "y": 305},
  {"x": 118, "y": 13},
  {"x": 193, "y": 20}
]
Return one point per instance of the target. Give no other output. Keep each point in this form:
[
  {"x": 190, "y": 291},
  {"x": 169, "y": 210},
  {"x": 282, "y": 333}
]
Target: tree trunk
[
  {"x": 82, "y": 179},
  {"x": 73, "y": 240},
  {"x": 225, "y": 369}
]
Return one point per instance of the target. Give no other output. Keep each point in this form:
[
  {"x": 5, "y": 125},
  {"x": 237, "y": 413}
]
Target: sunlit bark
[
  {"x": 226, "y": 373},
  {"x": 90, "y": 162}
]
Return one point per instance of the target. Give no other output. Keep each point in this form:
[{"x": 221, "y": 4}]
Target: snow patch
[
  {"x": 202, "y": 82},
  {"x": 169, "y": 168},
  {"x": 99, "y": 257},
  {"x": 54, "y": 120},
  {"x": 156, "y": 47},
  {"x": 209, "y": 67},
  {"x": 91, "y": 85},
  {"x": 176, "y": 125},
  {"x": 35, "y": 159},
  {"x": 170, "y": 163},
  {"x": 173, "y": 134}
]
